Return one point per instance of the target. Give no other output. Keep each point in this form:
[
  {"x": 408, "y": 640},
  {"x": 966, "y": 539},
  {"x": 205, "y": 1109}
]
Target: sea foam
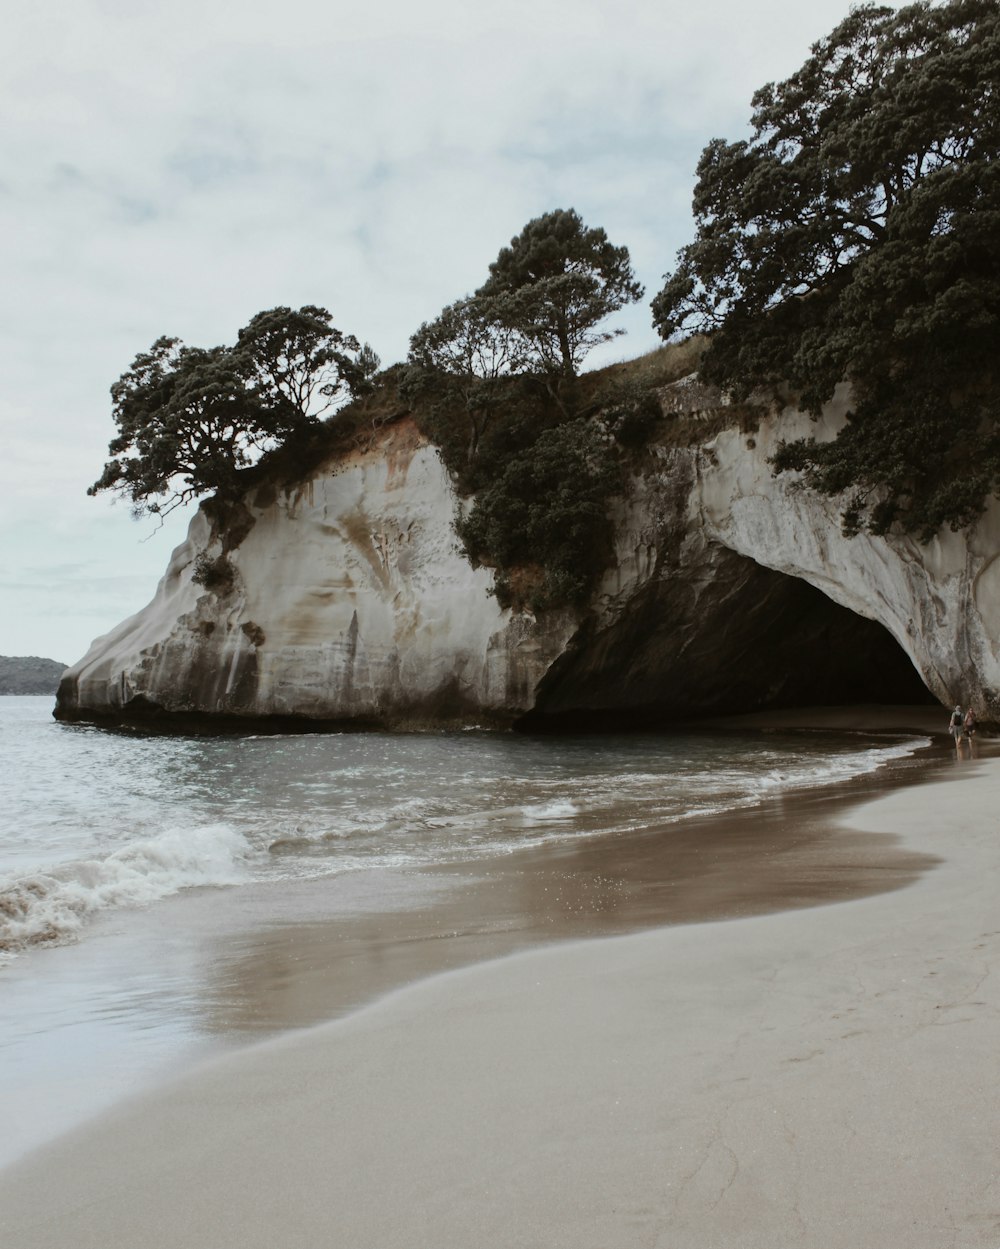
[{"x": 51, "y": 905}]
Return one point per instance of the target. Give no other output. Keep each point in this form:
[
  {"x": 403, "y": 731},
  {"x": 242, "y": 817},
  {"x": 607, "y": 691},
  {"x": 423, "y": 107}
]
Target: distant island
[{"x": 28, "y": 674}]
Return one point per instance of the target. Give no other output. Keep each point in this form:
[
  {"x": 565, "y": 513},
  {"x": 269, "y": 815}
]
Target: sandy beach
[{"x": 823, "y": 1076}]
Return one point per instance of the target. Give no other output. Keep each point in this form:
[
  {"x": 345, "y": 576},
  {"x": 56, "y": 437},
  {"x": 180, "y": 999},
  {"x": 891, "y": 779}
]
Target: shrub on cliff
[
  {"x": 191, "y": 419},
  {"x": 632, "y": 413},
  {"x": 856, "y": 236},
  {"x": 547, "y": 509}
]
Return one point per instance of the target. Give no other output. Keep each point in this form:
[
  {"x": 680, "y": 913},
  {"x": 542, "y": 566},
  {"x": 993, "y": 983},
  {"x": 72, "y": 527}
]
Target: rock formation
[{"x": 346, "y": 599}]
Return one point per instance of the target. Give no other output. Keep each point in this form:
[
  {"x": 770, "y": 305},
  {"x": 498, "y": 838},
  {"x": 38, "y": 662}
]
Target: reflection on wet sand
[{"x": 294, "y": 972}]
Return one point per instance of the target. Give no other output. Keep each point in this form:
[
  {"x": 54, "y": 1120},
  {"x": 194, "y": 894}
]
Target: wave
[
  {"x": 836, "y": 767},
  {"x": 422, "y": 831},
  {"x": 546, "y": 812},
  {"x": 51, "y": 906}
]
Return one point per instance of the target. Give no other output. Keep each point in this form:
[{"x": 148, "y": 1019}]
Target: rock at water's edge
[{"x": 346, "y": 600}]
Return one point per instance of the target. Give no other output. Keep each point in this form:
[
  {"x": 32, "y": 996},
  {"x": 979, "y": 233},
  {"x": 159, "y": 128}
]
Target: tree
[
  {"x": 468, "y": 345},
  {"x": 298, "y": 360},
  {"x": 190, "y": 419},
  {"x": 367, "y": 364},
  {"x": 537, "y": 314},
  {"x": 856, "y": 236},
  {"x": 547, "y": 509},
  {"x": 555, "y": 283}
]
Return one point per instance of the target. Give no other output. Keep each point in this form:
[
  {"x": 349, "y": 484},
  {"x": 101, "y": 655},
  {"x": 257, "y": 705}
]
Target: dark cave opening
[{"x": 743, "y": 639}]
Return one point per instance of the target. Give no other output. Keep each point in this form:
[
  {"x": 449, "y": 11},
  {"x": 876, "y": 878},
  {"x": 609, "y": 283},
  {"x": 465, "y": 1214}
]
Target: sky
[{"x": 174, "y": 167}]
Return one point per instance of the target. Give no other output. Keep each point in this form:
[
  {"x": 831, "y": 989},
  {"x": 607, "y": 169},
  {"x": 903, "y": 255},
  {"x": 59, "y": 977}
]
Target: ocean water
[
  {"x": 97, "y": 820},
  {"x": 132, "y": 866}
]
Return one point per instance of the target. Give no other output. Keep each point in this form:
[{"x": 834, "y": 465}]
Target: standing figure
[
  {"x": 956, "y": 727},
  {"x": 969, "y": 728}
]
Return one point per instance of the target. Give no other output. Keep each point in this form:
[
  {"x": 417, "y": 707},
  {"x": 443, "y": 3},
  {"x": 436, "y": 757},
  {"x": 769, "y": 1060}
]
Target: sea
[{"x": 166, "y": 898}]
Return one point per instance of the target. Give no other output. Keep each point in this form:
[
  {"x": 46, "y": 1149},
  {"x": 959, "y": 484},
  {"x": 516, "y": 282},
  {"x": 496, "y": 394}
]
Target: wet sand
[
  {"x": 339, "y": 943},
  {"x": 785, "y": 1079},
  {"x": 149, "y": 993}
]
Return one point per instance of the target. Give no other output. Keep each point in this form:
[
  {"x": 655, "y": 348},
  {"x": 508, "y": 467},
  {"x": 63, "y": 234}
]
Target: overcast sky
[{"x": 173, "y": 167}]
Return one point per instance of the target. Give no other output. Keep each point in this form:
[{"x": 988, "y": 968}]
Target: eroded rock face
[
  {"x": 347, "y": 600},
  {"x": 940, "y": 601},
  {"x": 686, "y": 626}
]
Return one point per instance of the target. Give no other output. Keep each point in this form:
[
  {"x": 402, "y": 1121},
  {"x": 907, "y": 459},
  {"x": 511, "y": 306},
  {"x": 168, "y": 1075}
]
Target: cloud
[{"x": 176, "y": 168}]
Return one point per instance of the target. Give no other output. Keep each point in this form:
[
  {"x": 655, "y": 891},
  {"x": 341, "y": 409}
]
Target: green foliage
[
  {"x": 856, "y": 236},
  {"x": 493, "y": 381},
  {"x": 367, "y": 365},
  {"x": 547, "y": 509},
  {"x": 216, "y": 574},
  {"x": 536, "y": 317},
  {"x": 519, "y": 410},
  {"x": 191, "y": 420},
  {"x": 555, "y": 283},
  {"x": 297, "y": 361},
  {"x": 632, "y": 414},
  {"x": 468, "y": 343},
  {"x": 462, "y": 358},
  {"x": 181, "y": 412}
]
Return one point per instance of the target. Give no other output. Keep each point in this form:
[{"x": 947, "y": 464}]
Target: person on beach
[
  {"x": 969, "y": 728},
  {"x": 956, "y": 726}
]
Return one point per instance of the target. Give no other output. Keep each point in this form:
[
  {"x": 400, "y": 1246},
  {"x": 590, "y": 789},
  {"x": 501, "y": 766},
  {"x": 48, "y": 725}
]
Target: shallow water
[
  {"x": 162, "y": 897},
  {"x": 95, "y": 821}
]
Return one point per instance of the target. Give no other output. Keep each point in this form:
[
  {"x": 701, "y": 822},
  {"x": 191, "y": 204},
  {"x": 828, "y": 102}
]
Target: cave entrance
[{"x": 730, "y": 638}]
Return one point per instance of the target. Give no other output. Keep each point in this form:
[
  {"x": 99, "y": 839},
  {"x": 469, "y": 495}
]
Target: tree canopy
[
  {"x": 856, "y": 236},
  {"x": 536, "y": 317},
  {"x": 555, "y": 283},
  {"x": 298, "y": 361},
  {"x": 472, "y": 350},
  {"x": 190, "y": 419}
]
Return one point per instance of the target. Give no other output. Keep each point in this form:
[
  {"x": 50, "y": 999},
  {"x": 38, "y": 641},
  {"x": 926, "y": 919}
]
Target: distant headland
[{"x": 28, "y": 674}]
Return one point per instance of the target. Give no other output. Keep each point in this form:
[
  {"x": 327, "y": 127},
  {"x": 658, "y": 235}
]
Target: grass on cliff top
[{"x": 655, "y": 369}]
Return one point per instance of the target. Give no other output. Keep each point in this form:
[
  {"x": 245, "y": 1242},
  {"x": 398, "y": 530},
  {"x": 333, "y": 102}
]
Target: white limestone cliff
[
  {"x": 350, "y": 600},
  {"x": 940, "y": 600},
  {"x": 347, "y": 599}
]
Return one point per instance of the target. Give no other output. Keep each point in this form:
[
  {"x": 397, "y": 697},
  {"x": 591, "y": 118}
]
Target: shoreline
[
  {"x": 871, "y": 718},
  {"x": 208, "y": 972},
  {"x": 351, "y": 945},
  {"x": 486, "y": 1090}
]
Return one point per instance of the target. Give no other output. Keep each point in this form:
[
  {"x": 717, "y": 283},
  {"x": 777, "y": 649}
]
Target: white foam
[
  {"x": 52, "y": 905},
  {"x": 543, "y": 813},
  {"x": 395, "y": 836},
  {"x": 840, "y": 767}
]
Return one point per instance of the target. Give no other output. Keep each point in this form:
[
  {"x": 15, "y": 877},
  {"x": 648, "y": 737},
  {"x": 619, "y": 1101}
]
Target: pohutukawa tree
[
  {"x": 473, "y": 350},
  {"x": 540, "y": 312},
  {"x": 298, "y": 360},
  {"x": 555, "y": 284},
  {"x": 856, "y": 236},
  {"x": 190, "y": 420}
]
